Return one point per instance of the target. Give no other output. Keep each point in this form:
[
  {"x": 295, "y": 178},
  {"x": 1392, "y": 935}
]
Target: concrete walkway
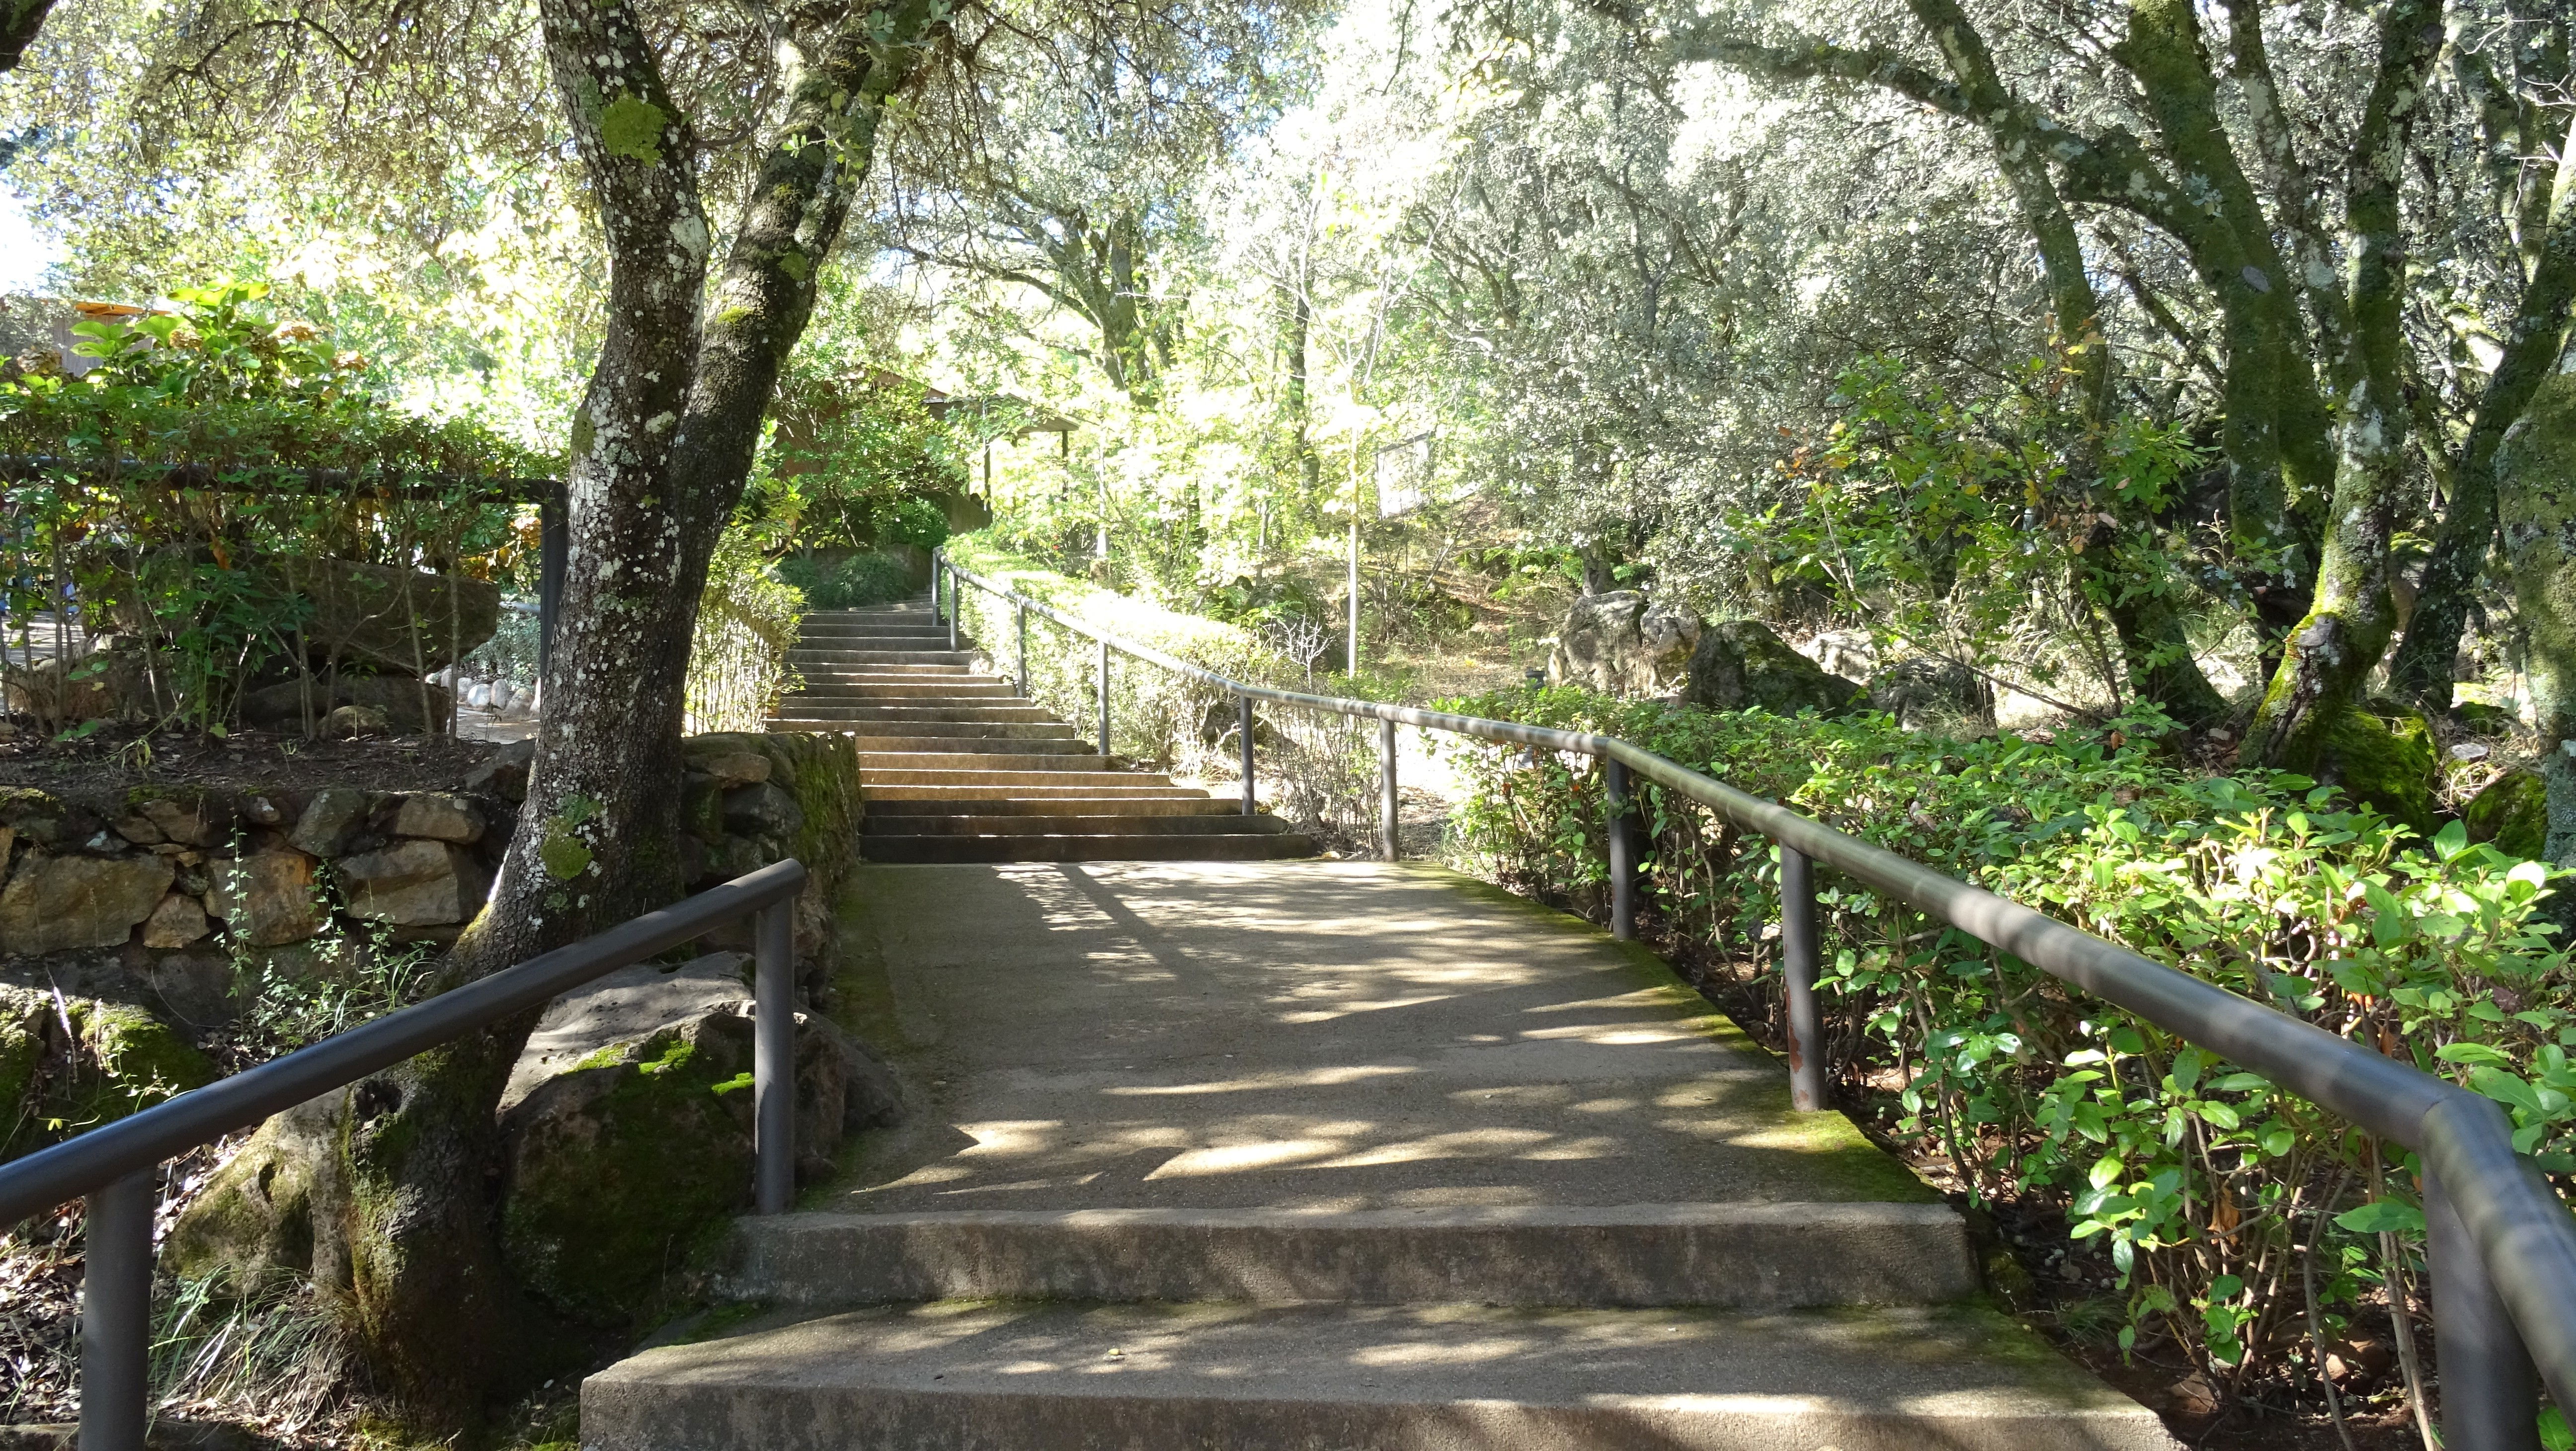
[
  {"x": 1334, "y": 1035},
  {"x": 1333, "y": 1154}
]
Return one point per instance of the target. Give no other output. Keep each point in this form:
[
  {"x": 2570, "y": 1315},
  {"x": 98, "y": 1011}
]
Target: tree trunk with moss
[
  {"x": 2425, "y": 659},
  {"x": 2536, "y": 507},
  {"x": 661, "y": 445},
  {"x": 2329, "y": 655}
]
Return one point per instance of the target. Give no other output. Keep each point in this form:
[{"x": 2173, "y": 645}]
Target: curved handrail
[{"x": 2519, "y": 1238}]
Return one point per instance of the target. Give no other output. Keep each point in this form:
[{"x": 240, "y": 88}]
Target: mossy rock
[
  {"x": 2511, "y": 814},
  {"x": 2383, "y": 757},
  {"x": 32, "y": 814},
  {"x": 118, "y": 1060},
  {"x": 1741, "y": 664},
  {"x": 618, "y": 1166}
]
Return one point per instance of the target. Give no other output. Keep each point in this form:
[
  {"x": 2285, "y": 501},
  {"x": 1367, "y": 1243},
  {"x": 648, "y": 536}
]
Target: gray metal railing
[
  {"x": 2500, "y": 1243},
  {"x": 115, "y": 1166}
]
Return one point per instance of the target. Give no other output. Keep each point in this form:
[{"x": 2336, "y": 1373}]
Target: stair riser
[
  {"x": 882, "y": 808},
  {"x": 873, "y": 743},
  {"x": 788, "y": 1416},
  {"x": 1006, "y": 782},
  {"x": 1740, "y": 1257},
  {"x": 1214, "y": 848},
  {"x": 882, "y": 765},
  {"x": 958, "y": 714},
  {"x": 1200, "y": 824}
]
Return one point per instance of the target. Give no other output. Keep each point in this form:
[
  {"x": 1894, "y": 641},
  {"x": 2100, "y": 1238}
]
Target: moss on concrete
[{"x": 1843, "y": 1163}]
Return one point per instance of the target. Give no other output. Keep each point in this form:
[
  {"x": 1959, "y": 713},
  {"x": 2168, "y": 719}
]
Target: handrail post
[
  {"x": 1104, "y": 700},
  {"x": 2490, "y": 1391},
  {"x": 1623, "y": 867},
  {"x": 1388, "y": 816},
  {"x": 116, "y": 1315},
  {"x": 938, "y": 568},
  {"x": 1798, "y": 968},
  {"x": 954, "y": 605},
  {"x": 773, "y": 1058},
  {"x": 1244, "y": 704},
  {"x": 1020, "y": 618}
]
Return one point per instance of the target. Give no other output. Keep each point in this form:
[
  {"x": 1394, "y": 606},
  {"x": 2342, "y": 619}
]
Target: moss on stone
[
  {"x": 618, "y": 1167},
  {"x": 120, "y": 1059},
  {"x": 2511, "y": 814}
]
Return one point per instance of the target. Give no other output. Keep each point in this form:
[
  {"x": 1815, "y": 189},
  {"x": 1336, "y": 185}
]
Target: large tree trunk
[
  {"x": 2426, "y": 659},
  {"x": 2330, "y": 654},
  {"x": 660, "y": 448},
  {"x": 2537, "y": 505}
]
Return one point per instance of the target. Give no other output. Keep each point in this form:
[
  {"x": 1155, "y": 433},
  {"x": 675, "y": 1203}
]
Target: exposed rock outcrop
[
  {"x": 1741, "y": 665},
  {"x": 1621, "y": 643}
]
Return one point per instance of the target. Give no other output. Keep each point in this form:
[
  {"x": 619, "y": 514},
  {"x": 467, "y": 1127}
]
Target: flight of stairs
[{"x": 955, "y": 767}]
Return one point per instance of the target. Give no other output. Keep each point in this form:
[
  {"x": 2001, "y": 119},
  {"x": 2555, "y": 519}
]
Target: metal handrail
[
  {"x": 114, "y": 1165},
  {"x": 2500, "y": 1242}
]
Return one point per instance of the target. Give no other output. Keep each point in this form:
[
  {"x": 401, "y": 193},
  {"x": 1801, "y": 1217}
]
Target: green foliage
[
  {"x": 747, "y": 622},
  {"x": 2187, "y": 1169},
  {"x": 251, "y": 403},
  {"x": 856, "y": 464},
  {"x": 852, "y": 583}
]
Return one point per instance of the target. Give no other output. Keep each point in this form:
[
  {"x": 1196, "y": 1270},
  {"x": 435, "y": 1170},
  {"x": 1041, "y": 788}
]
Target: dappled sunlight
[
  {"x": 1235, "y": 1158},
  {"x": 1306, "y": 1078}
]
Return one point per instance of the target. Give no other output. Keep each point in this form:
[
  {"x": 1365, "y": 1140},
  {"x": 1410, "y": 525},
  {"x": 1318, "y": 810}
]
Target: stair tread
[{"x": 952, "y": 1374}]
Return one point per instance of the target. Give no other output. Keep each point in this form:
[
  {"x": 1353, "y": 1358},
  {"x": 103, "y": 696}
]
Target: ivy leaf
[{"x": 2383, "y": 1216}]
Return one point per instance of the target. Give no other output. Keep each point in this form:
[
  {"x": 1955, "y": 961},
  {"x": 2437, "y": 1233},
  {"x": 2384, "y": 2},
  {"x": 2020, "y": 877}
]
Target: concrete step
[
  {"x": 1178, "y": 802},
  {"x": 1731, "y": 1256},
  {"x": 1202, "y": 823},
  {"x": 858, "y": 681},
  {"x": 879, "y": 662},
  {"x": 1004, "y": 781},
  {"x": 881, "y": 741},
  {"x": 1073, "y": 1377},
  {"x": 1212, "y": 847},
  {"x": 965, "y": 731},
  {"x": 973, "y": 712},
  {"x": 876, "y": 765},
  {"x": 1091, "y": 790},
  {"x": 956, "y": 691}
]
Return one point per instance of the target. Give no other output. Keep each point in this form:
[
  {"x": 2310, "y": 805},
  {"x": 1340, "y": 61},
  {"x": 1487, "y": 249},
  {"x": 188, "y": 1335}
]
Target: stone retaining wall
[{"x": 180, "y": 900}]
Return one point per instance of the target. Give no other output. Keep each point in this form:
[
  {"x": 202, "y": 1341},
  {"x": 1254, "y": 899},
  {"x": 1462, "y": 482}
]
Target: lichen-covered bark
[
  {"x": 2422, "y": 668},
  {"x": 2536, "y": 504},
  {"x": 2332, "y": 651},
  {"x": 660, "y": 447}
]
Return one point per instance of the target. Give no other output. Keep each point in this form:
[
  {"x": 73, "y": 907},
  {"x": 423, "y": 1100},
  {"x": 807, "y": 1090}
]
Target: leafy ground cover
[{"x": 2177, "y": 1217}]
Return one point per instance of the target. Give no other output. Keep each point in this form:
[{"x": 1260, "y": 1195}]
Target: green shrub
[
  {"x": 854, "y": 583},
  {"x": 2203, "y": 1180}
]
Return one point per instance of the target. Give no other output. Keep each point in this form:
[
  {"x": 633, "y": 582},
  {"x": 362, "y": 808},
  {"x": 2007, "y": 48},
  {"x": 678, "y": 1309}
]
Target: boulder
[
  {"x": 762, "y": 810},
  {"x": 1622, "y": 643},
  {"x": 393, "y": 697},
  {"x": 368, "y": 612},
  {"x": 357, "y": 720},
  {"x": 733, "y": 768},
  {"x": 177, "y": 922},
  {"x": 1923, "y": 690},
  {"x": 328, "y": 821},
  {"x": 2382, "y": 757},
  {"x": 628, "y": 1128},
  {"x": 57, "y": 903},
  {"x": 78, "y": 1063},
  {"x": 2511, "y": 814},
  {"x": 267, "y": 899},
  {"x": 111, "y": 680},
  {"x": 417, "y": 883},
  {"x": 33, "y": 815},
  {"x": 437, "y": 816},
  {"x": 273, "y": 1214},
  {"x": 1741, "y": 665},
  {"x": 504, "y": 773}
]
